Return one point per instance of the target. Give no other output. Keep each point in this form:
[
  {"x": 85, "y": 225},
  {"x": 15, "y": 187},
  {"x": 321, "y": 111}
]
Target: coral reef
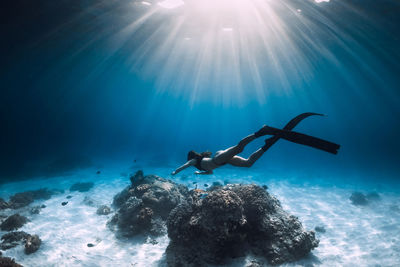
[
  {"x": 255, "y": 263},
  {"x": 103, "y": 210},
  {"x": 13, "y": 239},
  {"x": 3, "y": 204},
  {"x": 210, "y": 227},
  {"x": 13, "y": 222},
  {"x": 144, "y": 206},
  {"x": 230, "y": 221},
  {"x": 37, "y": 209},
  {"x": 23, "y": 199},
  {"x": 8, "y": 262},
  {"x": 32, "y": 244},
  {"x": 360, "y": 199}
]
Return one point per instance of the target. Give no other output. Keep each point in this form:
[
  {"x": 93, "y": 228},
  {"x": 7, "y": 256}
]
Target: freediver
[{"x": 206, "y": 164}]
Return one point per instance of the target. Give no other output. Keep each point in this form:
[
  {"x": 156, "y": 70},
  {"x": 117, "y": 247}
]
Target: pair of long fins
[{"x": 299, "y": 138}]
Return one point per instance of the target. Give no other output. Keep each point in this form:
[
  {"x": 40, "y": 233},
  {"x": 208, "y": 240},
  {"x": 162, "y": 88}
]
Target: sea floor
[{"x": 354, "y": 235}]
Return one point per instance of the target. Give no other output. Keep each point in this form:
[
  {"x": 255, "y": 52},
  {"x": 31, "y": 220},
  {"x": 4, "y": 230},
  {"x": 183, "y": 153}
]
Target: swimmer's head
[
  {"x": 195, "y": 155},
  {"x": 206, "y": 154}
]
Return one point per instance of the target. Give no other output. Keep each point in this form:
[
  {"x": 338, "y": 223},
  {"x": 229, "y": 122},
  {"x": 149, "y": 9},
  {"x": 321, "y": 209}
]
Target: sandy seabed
[{"x": 355, "y": 235}]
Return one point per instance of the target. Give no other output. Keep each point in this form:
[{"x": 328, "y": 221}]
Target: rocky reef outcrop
[
  {"x": 32, "y": 244},
  {"x": 144, "y": 206},
  {"x": 3, "y": 204},
  {"x": 37, "y": 209},
  {"x": 361, "y": 199},
  {"x": 13, "y": 222},
  {"x": 23, "y": 199},
  {"x": 13, "y": 239},
  {"x": 230, "y": 221},
  {"x": 81, "y": 187},
  {"x": 8, "y": 262},
  {"x": 213, "y": 226},
  {"x": 103, "y": 210}
]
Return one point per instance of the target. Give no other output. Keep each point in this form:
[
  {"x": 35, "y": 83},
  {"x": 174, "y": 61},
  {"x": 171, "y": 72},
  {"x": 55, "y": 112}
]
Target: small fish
[
  {"x": 194, "y": 182},
  {"x": 98, "y": 172},
  {"x": 90, "y": 245},
  {"x": 265, "y": 187},
  {"x": 205, "y": 185},
  {"x": 64, "y": 203},
  {"x": 202, "y": 196},
  {"x": 68, "y": 197}
]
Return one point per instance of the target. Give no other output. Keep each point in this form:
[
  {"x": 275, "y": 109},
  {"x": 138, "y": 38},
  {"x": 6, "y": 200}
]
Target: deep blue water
[{"x": 122, "y": 81}]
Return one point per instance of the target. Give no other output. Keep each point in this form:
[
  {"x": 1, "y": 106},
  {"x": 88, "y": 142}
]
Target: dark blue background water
[{"x": 75, "y": 91}]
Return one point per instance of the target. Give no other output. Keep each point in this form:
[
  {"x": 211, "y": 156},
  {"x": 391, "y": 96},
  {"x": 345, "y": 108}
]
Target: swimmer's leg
[
  {"x": 242, "y": 162},
  {"x": 224, "y": 156}
]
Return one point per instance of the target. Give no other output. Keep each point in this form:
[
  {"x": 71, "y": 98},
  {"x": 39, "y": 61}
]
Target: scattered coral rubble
[{"x": 19, "y": 201}]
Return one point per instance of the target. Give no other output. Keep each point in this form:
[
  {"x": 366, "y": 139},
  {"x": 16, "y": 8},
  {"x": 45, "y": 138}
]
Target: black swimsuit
[
  {"x": 198, "y": 163},
  {"x": 200, "y": 158}
]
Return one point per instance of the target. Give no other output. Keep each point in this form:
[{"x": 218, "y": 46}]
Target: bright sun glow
[
  {"x": 169, "y": 4},
  {"x": 225, "y": 37},
  {"x": 226, "y": 49}
]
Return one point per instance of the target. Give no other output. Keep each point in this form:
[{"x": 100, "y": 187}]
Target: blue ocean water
[
  {"x": 125, "y": 85},
  {"x": 127, "y": 80}
]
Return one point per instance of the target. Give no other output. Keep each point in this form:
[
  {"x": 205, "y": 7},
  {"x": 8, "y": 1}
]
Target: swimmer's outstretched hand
[{"x": 173, "y": 173}]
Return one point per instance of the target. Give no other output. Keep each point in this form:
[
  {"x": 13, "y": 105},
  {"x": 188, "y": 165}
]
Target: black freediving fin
[
  {"x": 293, "y": 122},
  {"x": 307, "y": 140},
  {"x": 289, "y": 126}
]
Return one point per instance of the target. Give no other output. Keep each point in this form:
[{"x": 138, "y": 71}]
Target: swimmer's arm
[
  {"x": 184, "y": 166},
  {"x": 205, "y": 172}
]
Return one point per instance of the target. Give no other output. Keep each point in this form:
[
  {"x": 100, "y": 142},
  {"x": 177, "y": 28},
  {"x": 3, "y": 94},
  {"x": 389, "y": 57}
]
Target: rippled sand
[{"x": 355, "y": 235}]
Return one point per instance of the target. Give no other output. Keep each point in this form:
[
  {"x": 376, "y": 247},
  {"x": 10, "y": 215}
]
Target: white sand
[{"x": 355, "y": 236}]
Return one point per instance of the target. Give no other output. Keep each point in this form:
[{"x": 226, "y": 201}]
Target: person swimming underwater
[{"x": 206, "y": 164}]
